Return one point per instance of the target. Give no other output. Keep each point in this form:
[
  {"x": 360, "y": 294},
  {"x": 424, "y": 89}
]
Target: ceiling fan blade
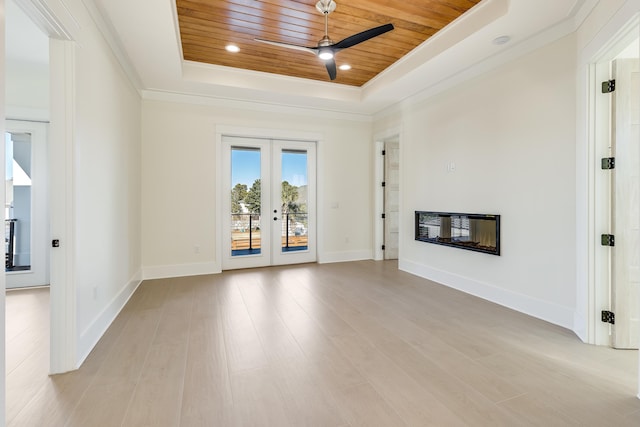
[
  {"x": 288, "y": 46},
  {"x": 331, "y": 68},
  {"x": 363, "y": 36}
]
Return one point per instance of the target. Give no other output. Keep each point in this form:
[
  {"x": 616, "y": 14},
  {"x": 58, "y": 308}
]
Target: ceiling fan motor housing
[{"x": 325, "y": 41}]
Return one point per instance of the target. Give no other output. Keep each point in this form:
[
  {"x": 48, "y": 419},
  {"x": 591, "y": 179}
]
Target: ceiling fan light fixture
[{"x": 325, "y": 54}]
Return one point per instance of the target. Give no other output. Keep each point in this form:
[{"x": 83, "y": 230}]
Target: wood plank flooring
[{"x": 353, "y": 344}]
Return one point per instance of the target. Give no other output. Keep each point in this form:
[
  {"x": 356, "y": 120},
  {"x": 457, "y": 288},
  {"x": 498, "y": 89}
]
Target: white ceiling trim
[
  {"x": 463, "y": 50},
  {"x": 252, "y": 105},
  {"x": 517, "y": 50},
  {"x": 52, "y": 17}
]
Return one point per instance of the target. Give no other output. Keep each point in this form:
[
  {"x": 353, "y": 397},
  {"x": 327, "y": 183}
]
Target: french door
[{"x": 268, "y": 202}]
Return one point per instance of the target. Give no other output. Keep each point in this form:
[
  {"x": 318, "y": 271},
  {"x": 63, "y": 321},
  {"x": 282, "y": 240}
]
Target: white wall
[
  {"x": 106, "y": 190},
  {"x": 26, "y": 67},
  {"x": 511, "y": 134},
  {"x": 2, "y": 197},
  {"x": 27, "y": 90},
  {"x": 179, "y": 181}
]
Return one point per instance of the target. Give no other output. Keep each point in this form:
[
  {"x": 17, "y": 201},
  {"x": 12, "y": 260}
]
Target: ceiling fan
[{"x": 327, "y": 49}]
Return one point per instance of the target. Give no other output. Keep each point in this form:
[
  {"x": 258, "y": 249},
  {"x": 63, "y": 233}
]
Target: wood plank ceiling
[{"x": 207, "y": 26}]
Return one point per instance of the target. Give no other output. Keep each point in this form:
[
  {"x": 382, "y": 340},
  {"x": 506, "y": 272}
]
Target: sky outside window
[{"x": 245, "y": 167}]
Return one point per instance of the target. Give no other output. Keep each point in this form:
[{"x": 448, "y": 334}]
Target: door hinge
[
  {"x": 384, "y": 184},
  {"x": 608, "y": 163},
  {"x": 608, "y": 86},
  {"x": 384, "y": 152},
  {"x": 383, "y": 247},
  {"x": 383, "y": 216},
  {"x": 607, "y": 240},
  {"x": 608, "y": 317}
]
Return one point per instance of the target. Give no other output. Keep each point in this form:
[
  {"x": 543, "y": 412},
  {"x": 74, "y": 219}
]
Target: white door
[
  {"x": 391, "y": 199},
  {"x": 625, "y": 255},
  {"x": 270, "y": 207},
  {"x": 26, "y": 206}
]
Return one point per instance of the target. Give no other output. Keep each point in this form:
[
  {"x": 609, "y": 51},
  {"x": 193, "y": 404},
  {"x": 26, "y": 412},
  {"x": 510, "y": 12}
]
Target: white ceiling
[{"x": 146, "y": 33}]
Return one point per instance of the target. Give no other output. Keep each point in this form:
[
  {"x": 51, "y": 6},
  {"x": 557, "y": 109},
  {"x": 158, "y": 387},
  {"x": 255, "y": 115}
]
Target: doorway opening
[
  {"x": 27, "y": 266},
  {"x": 391, "y": 198},
  {"x": 615, "y": 127},
  {"x": 26, "y": 207},
  {"x": 387, "y": 196}
]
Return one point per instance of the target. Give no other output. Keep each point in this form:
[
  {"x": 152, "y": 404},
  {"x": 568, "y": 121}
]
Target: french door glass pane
[
  {"x": 245, "y": 201},
  {"x": 294, "y": 196}
]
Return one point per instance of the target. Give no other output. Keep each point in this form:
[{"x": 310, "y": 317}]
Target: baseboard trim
[
  {"x": 331, "y": 257},
  {"x": 549, "y": 312},
  {"x": 180, "y": 270},
  {"x": 92, "y": 334}
]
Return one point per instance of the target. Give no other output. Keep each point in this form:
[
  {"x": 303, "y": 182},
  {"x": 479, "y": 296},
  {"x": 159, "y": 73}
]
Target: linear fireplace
[{"x": 474, "y": 232}]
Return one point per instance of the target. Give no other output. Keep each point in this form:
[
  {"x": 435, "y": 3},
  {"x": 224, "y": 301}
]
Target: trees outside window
[
  {"x": 252, "y": 199},
  {"x": 238, "y": 196}
]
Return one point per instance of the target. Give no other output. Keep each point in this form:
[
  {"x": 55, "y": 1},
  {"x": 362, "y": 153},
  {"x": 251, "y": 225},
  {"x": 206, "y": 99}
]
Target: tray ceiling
[{"x": 207, "y": 26}]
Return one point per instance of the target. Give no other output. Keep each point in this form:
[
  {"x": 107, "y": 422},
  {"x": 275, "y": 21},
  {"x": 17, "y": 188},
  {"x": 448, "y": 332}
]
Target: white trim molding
[
  {"x": 553, "y": 313},
  {"x": 52, "y": 17},
  {"x": 92, "y": 334},
  {"x": 180, "y": 270},
  {"x": 63, "y": 335},
  {"x": 346, "y": 256}
]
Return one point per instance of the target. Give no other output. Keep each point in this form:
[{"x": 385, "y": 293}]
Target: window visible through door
[{"x": 26, "y": 204}]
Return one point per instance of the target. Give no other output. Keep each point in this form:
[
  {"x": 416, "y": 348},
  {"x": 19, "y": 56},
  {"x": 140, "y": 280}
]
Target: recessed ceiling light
[
  {"x": 345, "y": 67},
  {"x": 232, "y": 48},
  {"x": 501, "y": 40}
]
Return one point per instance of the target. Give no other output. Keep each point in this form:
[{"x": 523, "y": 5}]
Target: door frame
[
  {"x": 378, "y": 178},
  {"x": 592, "y": 216},
  {"x": 267, "y": 134},
  {"x": 58, "y": 23}
]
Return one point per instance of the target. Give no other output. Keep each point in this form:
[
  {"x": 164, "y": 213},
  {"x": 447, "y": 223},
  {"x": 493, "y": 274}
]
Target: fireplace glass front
[{"x": 475, "y": 232}]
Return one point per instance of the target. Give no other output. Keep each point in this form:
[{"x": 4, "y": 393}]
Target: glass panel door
[
  {"x": 294, "y": 194},
  {"x": 26, "y": 205},
  {"x": 245, "y": 201},
  {"x": 18, "y": 201},
  {"x": 245, "y": 168},
  {"x": 270, "y": 208}
]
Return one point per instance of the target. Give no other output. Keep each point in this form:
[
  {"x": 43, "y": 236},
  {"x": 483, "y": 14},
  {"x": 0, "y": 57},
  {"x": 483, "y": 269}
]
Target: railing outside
[
  {"x": 246, "y": 233},
  {"x": 295, "y": 230}
]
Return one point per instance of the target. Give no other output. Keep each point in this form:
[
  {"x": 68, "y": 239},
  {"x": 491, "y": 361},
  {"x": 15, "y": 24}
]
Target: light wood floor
[{"x": 354, "y": 344}]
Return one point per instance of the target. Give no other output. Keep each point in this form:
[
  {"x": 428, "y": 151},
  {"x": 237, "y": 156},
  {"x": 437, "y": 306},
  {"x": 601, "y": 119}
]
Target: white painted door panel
[{"x": 625, "y": 277}]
